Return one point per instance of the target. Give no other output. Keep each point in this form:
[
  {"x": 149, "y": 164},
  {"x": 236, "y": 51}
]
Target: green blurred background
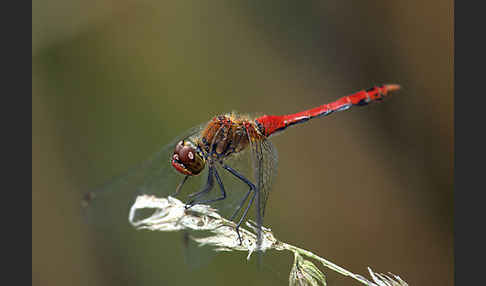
[{"x": 115, "y": 80}]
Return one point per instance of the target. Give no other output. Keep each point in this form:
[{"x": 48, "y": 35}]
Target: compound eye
[
  {"x": 186, "y": 159},
  {"x": 186, "y": 154},
  {"x": 179, "y": 147}
]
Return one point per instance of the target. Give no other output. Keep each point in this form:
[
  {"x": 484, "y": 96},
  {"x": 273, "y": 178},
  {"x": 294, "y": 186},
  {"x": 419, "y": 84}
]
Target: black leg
[
  {"x": 205, "y": 190},
  {"x": 239, "y": 176},
  {"x": 252, "y": 188},
  {"x": 221, "y": 187},
  {"x": 208, "y": 187},
  {"x": 179, "y": 187},
  {"x": 244, "y": 215},
  {"x": 241, "y": 205}
]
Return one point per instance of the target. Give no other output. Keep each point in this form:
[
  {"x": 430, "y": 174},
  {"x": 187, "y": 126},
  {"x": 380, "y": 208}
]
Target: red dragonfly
[{"x": 209, "y": 151}]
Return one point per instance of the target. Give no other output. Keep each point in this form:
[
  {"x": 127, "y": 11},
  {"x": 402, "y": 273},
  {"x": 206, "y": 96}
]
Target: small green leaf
[{"x": 305, "y": 273}]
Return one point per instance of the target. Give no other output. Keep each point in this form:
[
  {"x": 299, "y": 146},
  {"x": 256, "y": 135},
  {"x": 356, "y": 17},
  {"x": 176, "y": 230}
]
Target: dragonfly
[{"x": 209, "y": 157}]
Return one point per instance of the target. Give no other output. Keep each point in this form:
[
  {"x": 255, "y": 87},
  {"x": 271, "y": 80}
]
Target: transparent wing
[
  {"x": 267, "y": 171},
  {"x": 106, "y": 208},
  {"x": 108, "y": 205},
  {"x": 265, "y": 159}
]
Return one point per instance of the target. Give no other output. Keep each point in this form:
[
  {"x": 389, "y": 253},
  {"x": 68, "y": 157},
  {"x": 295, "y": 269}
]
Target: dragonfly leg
[
  {"x": 252, "y": 189},
  {"x": 239, "y": 176},
  {"x": 246, "y": 181},
  {"x": 179, "y": 187},
  {"x": 241, "y": 205},
  {"x": 221, "y": 187},
  {"x": 244, "y": 215},
  {"x": 205, "y": 190}
]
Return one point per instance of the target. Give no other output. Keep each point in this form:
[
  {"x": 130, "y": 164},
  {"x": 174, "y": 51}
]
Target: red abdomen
[{"x": 270, "y": 124}]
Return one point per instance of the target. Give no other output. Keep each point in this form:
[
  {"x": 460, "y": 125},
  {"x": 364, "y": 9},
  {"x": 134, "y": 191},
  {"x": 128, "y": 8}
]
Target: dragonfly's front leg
[
  {"x": 205, "y": 190},
  {"x": 179, "y": 187},
  {"x": 221, "y": 187}
]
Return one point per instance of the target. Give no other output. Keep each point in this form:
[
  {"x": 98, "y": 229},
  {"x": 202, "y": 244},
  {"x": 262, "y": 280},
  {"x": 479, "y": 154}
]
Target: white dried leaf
[{"x": 170, "y": 214}]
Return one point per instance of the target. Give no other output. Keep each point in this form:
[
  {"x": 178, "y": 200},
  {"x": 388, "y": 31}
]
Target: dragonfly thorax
[
  {"x": 226, "y": 135},
  {"x": 188, "y": 158}
]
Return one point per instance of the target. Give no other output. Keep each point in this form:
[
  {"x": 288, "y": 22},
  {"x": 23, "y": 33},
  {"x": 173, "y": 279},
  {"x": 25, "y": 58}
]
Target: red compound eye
[{"x": 186, "y": 159}]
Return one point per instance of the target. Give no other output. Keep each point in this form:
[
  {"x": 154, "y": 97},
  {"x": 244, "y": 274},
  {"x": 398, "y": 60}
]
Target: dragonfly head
[{"x": 187, "y": 158}]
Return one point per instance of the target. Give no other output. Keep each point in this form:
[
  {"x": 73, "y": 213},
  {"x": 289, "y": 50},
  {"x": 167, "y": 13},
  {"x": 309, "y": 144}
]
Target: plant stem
[{"x": 325, "y": 262}]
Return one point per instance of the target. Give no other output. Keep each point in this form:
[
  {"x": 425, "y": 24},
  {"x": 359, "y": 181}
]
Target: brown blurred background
[{"x": 115, "y": 80}]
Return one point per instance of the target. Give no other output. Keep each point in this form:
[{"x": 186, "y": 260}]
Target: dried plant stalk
[{"x": 170, "y": 214}]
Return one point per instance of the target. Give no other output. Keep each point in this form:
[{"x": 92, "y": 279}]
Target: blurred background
[{"x": 113, "y": 81}]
